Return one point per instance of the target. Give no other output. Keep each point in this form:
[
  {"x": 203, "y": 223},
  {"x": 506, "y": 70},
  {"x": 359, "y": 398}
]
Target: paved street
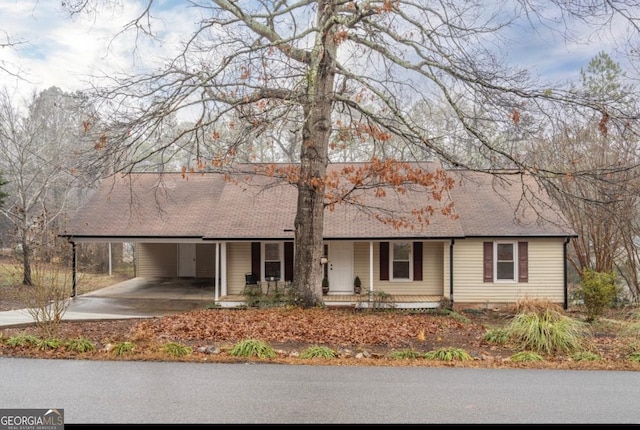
[{"x": 115, "y": 392}]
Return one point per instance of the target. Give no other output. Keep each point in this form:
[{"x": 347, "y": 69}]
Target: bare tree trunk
[
  {"x": 314, "y": 158},
  {"x": 26, "y": 263}
]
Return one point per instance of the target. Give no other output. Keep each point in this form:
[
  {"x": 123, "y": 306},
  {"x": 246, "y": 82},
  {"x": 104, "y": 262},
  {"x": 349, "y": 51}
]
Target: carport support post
[{"x": 73, "y": 269}]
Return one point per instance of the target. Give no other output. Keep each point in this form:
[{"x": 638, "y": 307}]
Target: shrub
[
  {"x": 448, "y": 354},
  {"x": 81, "y": 344},
  {"x": 598, "y": 291},
  {"x": 252, "y": 348},
  {"x": 176, "y": 349},
  {"x": 316, "y": 351}
]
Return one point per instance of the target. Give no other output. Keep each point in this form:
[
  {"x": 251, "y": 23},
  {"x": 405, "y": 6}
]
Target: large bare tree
[
  {"x": 41, "y": 156},
  {"x": 328, "y": 73}
]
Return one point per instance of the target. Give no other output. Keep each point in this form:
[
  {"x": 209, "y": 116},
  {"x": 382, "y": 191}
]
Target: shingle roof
[{"x": 205, "y": 205}]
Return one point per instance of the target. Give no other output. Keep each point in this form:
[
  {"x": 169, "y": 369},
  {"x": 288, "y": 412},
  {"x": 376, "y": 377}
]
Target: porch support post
[
  {"x": 223, "y": 269},
  {"x": 110, "y": 265},
  {"x": 216, "y": 282},
  {"x": 371, "y": 267}
]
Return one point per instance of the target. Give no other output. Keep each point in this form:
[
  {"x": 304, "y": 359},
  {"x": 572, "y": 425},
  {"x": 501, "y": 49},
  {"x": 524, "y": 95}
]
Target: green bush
[
  {"x": 252, "y": 348},
  {"x": 598, "y": 291},
  {"x": 318, "y": 351},
  {"x": 448, "y": 354}
]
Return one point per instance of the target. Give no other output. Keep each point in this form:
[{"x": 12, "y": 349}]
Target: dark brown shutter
[
  {"x": 523, "y": 261},
  {"x": 488, "y": 261},
  {"x": 417, "y": 261},
  {"x": 255, "y": 260},
  {"x": 288, "y": 261},
  {"x": 384, "y": 261}
]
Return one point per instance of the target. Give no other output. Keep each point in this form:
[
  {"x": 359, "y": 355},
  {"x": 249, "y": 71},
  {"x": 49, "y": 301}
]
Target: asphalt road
[{"x": 130, "y": 392}]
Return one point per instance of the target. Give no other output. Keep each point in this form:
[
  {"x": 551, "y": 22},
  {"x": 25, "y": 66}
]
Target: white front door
[
  {"x": 340, "y": 267},
  {"x": 187, "y": 260}
]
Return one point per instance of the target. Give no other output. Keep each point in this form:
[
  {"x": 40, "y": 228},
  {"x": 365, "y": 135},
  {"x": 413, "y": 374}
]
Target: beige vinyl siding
[
  {"x": 157, "y": 260},
  {"x": 432, "y": 263},
  {"x": 546, "y": 274},
  {"x": 238, "y": 263},
  {"x": 205, "y": 260}
]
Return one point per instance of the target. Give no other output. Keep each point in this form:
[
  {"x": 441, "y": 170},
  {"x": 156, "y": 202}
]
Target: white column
[{"x": 371, "y": 266}]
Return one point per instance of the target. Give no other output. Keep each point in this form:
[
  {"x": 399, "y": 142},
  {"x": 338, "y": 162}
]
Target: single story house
[{"x": 506, "y": 241}]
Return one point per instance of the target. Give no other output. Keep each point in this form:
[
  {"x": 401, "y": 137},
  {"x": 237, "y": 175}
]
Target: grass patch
[
  {"x": 177, "y": 350},
  {"x": 122, "y": 348},
  {"x": 252, "y": 348},
  {"x": 525, "y": 356},
  {"x": 317, "y": 351},
  {"x": 404, "y": 354},
  {"x": 81, "y": 344},
  {"x": 448, "y": 354}
]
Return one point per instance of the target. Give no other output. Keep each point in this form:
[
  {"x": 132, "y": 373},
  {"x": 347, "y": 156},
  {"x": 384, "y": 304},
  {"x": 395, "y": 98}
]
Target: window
[
  {"x": 272, "y": 260},
  {"x": 401, "y": 263},
  {"x": 505, "y": 258}
]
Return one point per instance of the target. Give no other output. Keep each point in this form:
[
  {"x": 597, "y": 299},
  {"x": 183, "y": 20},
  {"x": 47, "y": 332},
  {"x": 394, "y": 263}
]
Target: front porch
[{"x": 364, "y": 301}]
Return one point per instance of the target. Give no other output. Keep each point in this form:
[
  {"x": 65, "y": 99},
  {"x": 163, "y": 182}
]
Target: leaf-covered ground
[{"x": 359, "y": 337}]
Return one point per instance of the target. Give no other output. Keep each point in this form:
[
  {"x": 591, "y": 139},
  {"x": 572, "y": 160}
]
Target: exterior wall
[
  {"x": 205, "y": 260},
  {"x": 432, "y": 263},
  {"x": 546, "y": 274},
  {"x": 157, "y": 260},
  {"x": 238, "y": 263}
]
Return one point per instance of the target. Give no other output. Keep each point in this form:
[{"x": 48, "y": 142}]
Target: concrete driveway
[{"x": 135, "y": 298}]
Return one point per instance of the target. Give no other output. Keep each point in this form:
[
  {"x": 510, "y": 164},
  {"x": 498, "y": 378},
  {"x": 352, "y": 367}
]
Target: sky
[{"x": 62, "y": 51}]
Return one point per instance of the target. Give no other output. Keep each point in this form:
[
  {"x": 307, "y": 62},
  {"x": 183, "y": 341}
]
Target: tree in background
[
  {"x": 3, "y": 195},
  {"x": 333, "y": 74},
  {"x": 42, "y": 151},
  {"x": 604, "y": 213}
]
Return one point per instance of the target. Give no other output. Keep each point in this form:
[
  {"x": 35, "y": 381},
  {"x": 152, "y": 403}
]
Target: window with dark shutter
[
  {"x": 384, "y": 261},
  {"x": 523, "y": 262},
  {"x": 488, "y": 261},
  {"x": 417, "y": 261}
]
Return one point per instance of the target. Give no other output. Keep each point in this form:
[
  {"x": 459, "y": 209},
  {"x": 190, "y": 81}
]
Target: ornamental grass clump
[
  {"x": 317, "y": 351},
  {"x": 448, "y": 354},
  {"x": 252, "y": 348},
  {"x": 546, "y": 331}
]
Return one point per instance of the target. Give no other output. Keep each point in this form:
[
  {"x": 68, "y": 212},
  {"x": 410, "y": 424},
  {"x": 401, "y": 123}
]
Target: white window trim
[
  {"x": 263, "y": 254},
  {"x": 391, "y": 260},
  {"x": 514, "y": 244}
]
